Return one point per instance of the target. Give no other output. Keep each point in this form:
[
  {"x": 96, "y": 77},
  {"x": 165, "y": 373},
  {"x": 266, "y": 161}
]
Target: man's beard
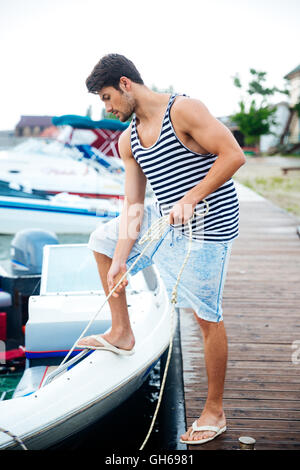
[
  {"x": 129, "y": 112},
  {"x": 125, "y": 116}
]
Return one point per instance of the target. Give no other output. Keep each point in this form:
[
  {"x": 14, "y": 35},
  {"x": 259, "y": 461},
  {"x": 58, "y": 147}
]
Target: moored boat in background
[
  {"x": 54, "y": 168},
  {"x": 62, "y": 213}
]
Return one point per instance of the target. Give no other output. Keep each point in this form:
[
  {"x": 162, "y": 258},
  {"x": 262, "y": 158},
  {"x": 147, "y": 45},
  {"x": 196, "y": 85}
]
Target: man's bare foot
[
  {"x": 122, "y": 341},
  {"x": 207, "y": 418}
]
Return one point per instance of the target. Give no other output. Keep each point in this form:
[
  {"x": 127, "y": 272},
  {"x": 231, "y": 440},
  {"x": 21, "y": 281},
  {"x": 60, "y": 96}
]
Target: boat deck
[{"x": 262, "y": 318}]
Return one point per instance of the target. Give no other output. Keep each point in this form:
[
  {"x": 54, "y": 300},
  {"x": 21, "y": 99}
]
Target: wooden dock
[{"x": 262, "y": 317}]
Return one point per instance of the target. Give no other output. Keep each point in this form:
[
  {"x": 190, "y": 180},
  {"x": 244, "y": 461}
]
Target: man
[{"x": 187, "y": 156}]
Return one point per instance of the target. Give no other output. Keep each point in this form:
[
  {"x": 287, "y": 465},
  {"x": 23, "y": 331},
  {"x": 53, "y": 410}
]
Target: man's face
[{"x": 118, "y": 102}]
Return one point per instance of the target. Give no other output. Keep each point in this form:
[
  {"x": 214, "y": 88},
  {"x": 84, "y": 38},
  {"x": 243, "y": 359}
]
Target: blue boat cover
[{"x": 85, "y": 122}]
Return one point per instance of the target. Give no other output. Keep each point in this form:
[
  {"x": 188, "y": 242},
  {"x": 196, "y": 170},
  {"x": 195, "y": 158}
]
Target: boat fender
[{"x": 5, "y": 299}]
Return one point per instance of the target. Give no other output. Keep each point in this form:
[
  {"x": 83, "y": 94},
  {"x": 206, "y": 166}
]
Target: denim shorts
[{"x": 202, "y": 280}]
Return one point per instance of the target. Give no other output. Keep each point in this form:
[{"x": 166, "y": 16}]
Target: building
[
  {"x": 281, "y": 116},
  {"x": 32, "y": 125},
  {"x": 292, "y": 132}
]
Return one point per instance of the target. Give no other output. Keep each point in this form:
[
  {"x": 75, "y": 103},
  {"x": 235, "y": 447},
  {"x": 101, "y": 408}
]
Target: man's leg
[
  {"x": 215, "y": 350},
  {"x": 121, "y": 334}
]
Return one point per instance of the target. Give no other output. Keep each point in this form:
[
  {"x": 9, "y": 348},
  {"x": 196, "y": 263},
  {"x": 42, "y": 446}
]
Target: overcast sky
[{"x": 49, "y": 47}]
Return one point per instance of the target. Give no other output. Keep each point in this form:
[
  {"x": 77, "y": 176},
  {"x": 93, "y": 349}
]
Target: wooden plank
[
  {"x": 263, "y": 437},
  {"x": 249, "y": 404},
  {"x": 256, "y": 338},
  {"x": 284, "y": 414},
  {"x": 256, "y": 385},
  {"x": 250, "y": 394},
  {"x": 288, "y": 368},
  {"x": 235, "y": 376},
  {"x": 267, "y": 425},
  {"x": 221, "y": 444},
  {"x": 246, "y": 354}
]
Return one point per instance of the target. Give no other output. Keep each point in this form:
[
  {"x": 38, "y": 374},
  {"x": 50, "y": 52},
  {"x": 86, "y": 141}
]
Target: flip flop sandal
[
  {"x": 106, "y": 346},
  {"x": 196, "y": 428}
]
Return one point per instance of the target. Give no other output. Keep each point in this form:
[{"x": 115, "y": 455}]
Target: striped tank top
[{"x": 172, "y": 170}]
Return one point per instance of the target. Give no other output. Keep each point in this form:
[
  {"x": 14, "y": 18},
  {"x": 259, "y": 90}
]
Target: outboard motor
[
  {"x": 20, "y": 278},
  {"x": 27, "y": 250}
]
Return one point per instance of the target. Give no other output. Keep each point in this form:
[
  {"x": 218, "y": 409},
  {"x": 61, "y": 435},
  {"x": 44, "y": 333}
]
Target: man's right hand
[{"x": 116, "y": 271}]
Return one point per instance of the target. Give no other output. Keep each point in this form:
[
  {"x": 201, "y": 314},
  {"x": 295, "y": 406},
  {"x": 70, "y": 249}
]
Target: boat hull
[
  {"x": 83, "y": 418},
  {"x": 99, "y": 382}
]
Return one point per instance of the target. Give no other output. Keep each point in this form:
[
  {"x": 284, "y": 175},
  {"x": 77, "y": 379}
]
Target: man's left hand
[{"x": 181, "y": 212}]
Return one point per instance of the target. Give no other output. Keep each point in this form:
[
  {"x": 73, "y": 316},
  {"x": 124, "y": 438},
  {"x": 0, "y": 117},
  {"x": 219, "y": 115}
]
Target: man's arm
[
  {"x": 193, "y": 118},
  {"x": 132, "y": 212}
]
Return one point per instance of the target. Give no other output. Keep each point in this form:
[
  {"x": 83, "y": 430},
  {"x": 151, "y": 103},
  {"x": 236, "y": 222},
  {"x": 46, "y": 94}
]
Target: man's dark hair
[{"x": 109, "y": 70}]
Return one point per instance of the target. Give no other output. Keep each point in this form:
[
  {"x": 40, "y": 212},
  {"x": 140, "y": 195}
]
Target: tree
[
  {"x": 169, "y": 89},
  {"x": 256, "y": 115},
  {"x": 297, "y": 108}
]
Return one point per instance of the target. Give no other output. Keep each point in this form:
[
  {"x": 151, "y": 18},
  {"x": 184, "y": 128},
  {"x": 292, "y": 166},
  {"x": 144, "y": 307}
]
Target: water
[
  {"x": 8, "y": 383},
  {"x": 125, "y": 427}
]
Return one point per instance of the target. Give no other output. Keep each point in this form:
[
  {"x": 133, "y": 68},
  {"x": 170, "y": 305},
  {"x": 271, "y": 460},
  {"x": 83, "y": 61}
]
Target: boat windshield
[{"x": 69, "y": 269}]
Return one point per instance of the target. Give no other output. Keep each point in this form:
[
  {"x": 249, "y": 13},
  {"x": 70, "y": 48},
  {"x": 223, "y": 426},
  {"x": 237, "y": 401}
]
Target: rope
[
  {"x": 15, "y": 438},
  {"x": 173, "y": 301}
]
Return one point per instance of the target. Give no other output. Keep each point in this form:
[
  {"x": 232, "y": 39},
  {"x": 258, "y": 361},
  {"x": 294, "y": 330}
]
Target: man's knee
[
  {"x": 207, "y": 326},
  {"x": 95, "y": 237},
  {"x": 101, "y": 257},
  {"x": 102, "y": 240}
]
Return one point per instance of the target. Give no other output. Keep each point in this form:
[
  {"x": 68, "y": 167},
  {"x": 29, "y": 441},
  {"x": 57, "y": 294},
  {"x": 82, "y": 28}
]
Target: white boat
[
  {"x": 48, "y": 407},
  {"x": 62, "y": 213},
  {"x": 55, "y": 168}
]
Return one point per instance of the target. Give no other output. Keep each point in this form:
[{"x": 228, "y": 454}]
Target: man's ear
[{"x": 125, "y": 84}]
